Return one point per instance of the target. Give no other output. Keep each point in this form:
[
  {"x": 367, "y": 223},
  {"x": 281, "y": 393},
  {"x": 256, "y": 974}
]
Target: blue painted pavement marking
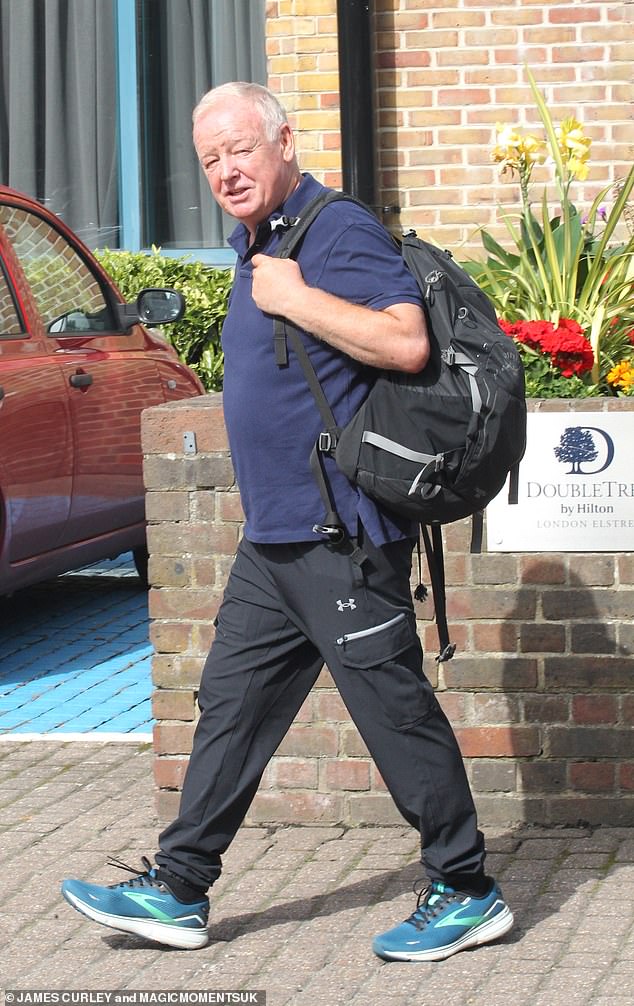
[{"x": 75, "y": 656}]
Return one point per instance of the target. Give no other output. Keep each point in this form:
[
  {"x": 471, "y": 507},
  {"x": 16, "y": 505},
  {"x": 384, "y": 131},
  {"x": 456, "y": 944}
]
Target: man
[{"x": 294, "y": 600}]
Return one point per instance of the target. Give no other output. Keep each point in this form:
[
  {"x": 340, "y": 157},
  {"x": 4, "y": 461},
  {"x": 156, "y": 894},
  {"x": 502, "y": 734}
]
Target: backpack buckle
[
  {"x": 284, "y": 222},
  {"x": 446, "y": 653},
  {"x": 434, "y": 277},
  {"x": 334, "y": 534},
  {"x": 326, "y": 442}
]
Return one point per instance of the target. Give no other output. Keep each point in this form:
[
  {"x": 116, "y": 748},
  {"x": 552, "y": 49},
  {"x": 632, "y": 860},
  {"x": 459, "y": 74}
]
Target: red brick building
[{"x": 446, "y": 71}]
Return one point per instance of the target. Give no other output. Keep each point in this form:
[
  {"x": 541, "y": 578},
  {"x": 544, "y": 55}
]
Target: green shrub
[{"x": 196, "y": 338}]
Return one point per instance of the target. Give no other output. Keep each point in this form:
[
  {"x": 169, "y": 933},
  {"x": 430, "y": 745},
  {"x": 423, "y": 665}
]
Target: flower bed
[
  {"x": 558, "y": 358},
  {"x": 565, "y": 289}
]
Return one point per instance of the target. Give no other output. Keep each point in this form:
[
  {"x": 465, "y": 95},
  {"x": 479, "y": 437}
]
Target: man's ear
[{"x": 287, "y": 142}]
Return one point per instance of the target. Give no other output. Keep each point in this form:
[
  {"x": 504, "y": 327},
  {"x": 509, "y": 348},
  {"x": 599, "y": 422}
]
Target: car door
[
  {"x": 36, "y": 448},
  {"x": 108, "y": 376}
]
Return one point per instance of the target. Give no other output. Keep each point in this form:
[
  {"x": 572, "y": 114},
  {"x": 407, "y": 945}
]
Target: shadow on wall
[{"x": 548, "y": 719}]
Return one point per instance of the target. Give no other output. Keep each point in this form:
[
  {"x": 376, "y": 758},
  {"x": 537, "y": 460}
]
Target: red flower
[
  {"x": 566, "y": 345},
  {"x": 629, "y": 335},
  {"x": 569, "y": 352},
  {"x": 571, "y": 326}
]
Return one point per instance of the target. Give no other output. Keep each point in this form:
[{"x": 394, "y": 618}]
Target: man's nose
[{"x": 228, "y": 167}]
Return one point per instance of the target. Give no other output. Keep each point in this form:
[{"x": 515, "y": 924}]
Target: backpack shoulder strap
[
  {"x": 284, "y": 331},
  {"x": 300, "y": 224},
  {"x": 288, "y": 248}
]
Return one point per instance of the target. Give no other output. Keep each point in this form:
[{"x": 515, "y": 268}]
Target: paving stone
[{"x": 296, "y": 908}]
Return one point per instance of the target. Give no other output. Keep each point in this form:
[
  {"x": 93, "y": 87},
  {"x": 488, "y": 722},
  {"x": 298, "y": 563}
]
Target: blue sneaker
[
  {"x": 445, "y": 922},
  {"x": 145, "y": 906}
]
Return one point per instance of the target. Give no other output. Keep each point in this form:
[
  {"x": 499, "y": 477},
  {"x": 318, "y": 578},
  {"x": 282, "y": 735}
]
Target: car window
[
  {"x": 10, "y": 326},
  {"x": 68, "y": 295}
]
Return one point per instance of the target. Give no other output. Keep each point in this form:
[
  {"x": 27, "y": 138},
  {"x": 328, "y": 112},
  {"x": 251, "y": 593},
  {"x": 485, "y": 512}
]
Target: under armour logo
[{"x": 350, "y": 603}]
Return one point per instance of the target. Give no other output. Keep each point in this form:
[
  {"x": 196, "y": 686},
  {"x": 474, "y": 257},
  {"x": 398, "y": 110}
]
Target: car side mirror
[{"x": 153, "y": 306}]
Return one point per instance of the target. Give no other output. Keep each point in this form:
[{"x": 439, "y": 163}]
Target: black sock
[
  {"x": 475, "y": 885},
  {"x": 181, "y": 889}
]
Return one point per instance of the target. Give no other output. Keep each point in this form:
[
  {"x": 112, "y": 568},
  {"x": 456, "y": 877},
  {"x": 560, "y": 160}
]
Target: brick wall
[
  {"x": 446, "y": 72},
  {"x": 541, "y": 691}
]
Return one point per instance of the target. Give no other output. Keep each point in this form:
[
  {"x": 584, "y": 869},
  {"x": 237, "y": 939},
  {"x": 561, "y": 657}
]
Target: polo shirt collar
[{"x": 307, "y": 188}]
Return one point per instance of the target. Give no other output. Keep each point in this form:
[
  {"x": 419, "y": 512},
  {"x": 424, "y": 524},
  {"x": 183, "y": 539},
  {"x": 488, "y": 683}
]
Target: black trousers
[{"x": 287, "y": 609}]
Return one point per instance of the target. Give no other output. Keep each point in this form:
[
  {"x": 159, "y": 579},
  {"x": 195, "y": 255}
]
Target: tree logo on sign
[{"x": 577, "y": 447}]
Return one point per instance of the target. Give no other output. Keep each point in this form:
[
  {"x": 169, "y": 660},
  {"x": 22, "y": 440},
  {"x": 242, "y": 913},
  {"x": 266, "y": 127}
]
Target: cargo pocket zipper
[{"x": 362, "y": 633}]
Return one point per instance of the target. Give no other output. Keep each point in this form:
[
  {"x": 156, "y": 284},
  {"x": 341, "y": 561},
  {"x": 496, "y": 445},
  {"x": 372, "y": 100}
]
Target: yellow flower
[
  {"x": 506, "y": 150},
  {"x": 533, "y": 149},
  {"x": 574, "y": 146},
  {"x": 516, "y": 152},
  {"x": 578, "y": 169},
  {"x": 622, "y": 376}
]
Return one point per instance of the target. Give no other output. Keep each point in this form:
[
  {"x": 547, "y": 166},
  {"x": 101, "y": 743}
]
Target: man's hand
[
  {"x": 394, "y": 338},
  {"x": 277, "y": 283}
]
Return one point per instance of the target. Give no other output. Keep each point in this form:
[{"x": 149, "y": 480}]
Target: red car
[{"x": 77, "y": 367}]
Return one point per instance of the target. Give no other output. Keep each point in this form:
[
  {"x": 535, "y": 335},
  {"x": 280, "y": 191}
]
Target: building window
[{"x": 95, "y": 111}]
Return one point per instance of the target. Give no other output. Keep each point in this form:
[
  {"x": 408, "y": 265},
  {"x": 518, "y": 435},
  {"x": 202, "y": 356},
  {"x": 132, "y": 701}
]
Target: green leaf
[
  {"x": 496, "y": 249},
  {"x": 545, "y": 116},
  {"x": 532, "y": 234}
]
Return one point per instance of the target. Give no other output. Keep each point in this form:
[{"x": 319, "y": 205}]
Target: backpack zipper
[{"x": 371, "y": 631}]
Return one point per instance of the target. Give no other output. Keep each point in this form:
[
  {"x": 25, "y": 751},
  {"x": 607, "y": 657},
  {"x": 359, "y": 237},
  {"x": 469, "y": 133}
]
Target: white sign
[{"x": 576, "y": 487}]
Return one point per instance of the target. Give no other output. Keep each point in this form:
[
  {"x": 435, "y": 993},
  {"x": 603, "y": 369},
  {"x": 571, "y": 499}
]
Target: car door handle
[{"x": 80, "y": 380}]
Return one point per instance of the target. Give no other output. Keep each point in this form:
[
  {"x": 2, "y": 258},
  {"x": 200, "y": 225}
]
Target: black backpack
[{"x": 436, "y": 446}]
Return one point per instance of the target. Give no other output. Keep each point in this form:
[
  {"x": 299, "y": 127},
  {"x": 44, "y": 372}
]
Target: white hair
[{"x": 271, "y": 111}]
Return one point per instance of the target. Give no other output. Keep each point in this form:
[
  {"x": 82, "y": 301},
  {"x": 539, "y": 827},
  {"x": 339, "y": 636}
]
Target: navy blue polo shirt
[{"x": 271, "y": 417}]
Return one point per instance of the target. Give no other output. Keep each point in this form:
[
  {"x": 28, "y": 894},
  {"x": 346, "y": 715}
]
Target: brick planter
[{"x": 540, "y": 692}]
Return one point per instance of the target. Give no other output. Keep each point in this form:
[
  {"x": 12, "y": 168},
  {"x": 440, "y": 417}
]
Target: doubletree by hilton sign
[{"x": 576, "y": 487}]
